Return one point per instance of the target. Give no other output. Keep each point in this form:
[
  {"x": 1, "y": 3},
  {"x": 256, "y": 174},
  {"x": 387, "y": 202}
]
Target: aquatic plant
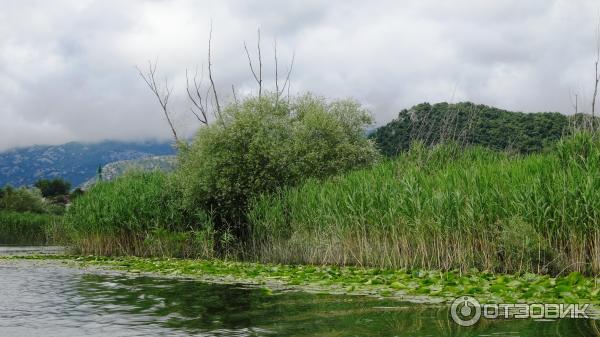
[
  {"x": 29, "y": 228},
  {"x": 137, "y": 214},
  {"x": 417, "y": 284},
  {"x": 445, "y": 208}
]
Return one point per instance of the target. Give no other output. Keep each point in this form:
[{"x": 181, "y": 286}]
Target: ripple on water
[{"x": 47, "y": 298}]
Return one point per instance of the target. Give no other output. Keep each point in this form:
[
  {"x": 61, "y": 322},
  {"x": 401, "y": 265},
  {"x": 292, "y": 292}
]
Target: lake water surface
[{"x": 47, "y": 298}]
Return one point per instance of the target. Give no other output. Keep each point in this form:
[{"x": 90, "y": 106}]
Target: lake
[{"x": 47, "y": 298}]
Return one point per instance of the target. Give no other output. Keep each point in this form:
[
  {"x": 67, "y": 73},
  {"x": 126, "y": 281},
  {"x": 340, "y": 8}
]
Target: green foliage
[
  {"x": 30, "y": 200},
  {"x": 76, "y": 193},
  {"x": 134, "y": 203},
  {"x": 446, "y": 208},
  {"x": 472, "y": 124},
  {"x": 133, "y": 213},
  {"x": 22, "y": 200},
  {"x": 263, "y": 144},
  {"x": 494, "y": 288},
  {"x": 53, "y": 188},
  {"x": 28, "y": 228}
]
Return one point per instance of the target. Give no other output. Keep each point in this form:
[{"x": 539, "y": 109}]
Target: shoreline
[{"x": 415, "y": 286}]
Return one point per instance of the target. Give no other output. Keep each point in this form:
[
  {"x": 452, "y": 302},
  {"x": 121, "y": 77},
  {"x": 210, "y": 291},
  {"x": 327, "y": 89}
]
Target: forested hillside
[{"x": 469, "y": 123}]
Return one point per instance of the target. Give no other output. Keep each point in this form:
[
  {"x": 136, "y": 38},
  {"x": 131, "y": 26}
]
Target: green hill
[{"x": 469, "y": 123}]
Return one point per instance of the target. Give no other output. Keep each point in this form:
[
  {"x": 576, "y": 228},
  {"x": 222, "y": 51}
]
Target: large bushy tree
[
  {"x": 264, "y": 143},
  {"x": 53, "y": 188}
]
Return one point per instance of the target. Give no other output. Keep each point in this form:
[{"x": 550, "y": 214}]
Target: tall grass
[
  {"x": 137, "y": 214},
  {"x": 445, "y": 208},
  {"x": 29, "y": 228}
]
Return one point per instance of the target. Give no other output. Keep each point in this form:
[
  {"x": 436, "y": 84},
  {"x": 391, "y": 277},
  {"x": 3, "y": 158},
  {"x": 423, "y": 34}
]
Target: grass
[
  {"x": 441, "y": 208},
  {"x": 137, "y": 214},
  {"x": 29, "y": 228},
  {"x": 399, "y": 283},
  {"x": 445, "y": 208}
]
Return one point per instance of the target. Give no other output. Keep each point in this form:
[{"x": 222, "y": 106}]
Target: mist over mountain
[{"x": 75, "y": 162}]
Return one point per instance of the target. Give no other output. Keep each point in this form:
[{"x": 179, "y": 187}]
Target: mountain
[
  {"x": 75, "y": 162},
  {"x": 473, "y": 124},
  {"x": 116, "y": 169}
]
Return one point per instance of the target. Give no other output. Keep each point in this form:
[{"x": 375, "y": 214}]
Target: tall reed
[
  {"x": 138, "y": 214},
  {"x": 445, "y": 208},
  {"x": 29, "y": 228}
]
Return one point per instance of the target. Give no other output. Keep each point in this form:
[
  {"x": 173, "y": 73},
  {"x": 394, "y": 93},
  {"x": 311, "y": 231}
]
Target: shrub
[
  {"x": 53, "y": 188},
  {"x": 22, "y": 200},
  {"x": 262, "y": 144}
]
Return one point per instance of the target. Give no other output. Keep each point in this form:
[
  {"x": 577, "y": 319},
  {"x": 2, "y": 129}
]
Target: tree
[
  {"x": 470, "y": 124},
  {"x": 268, "y": 144},
  {"x": 53, "y": 188},
  {"x": 22, "y": 200}
]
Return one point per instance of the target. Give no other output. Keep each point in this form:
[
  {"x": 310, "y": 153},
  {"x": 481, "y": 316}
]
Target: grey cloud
[{"x": 67, "y": 68}]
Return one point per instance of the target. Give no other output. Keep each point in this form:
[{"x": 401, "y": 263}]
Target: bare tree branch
[
  {"x": 276, "y": 69},
  {"x": 574, "y": 103},
  {"x": 204, "y": 104},
  {"x": 597, "y": 75},
  {"x": 162, "y": 95},
  {"x": 250, "y": 63},
  {"x": 259, "y": 65},
  {"x": 210, "y": 76},
  {"x": 257, "y": 77},
  {"x": 196, "y": 98},
  {"x": 234, "y": 95},
  {"x": 287, "y": 78}
]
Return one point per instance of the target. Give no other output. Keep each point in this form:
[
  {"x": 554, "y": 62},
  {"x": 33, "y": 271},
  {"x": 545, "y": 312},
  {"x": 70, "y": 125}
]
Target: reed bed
[
  {"x": 445, "y": 208},
  {"x": 138, "y": 214},
  {"x": 29, "y": 228}
]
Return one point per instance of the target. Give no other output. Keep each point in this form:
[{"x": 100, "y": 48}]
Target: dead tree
[
  {"x": 278, "y": 92},
  {"x": 258, "y": 75},
  {"x": 162, "y": 94},
  {"x": 202, "y": 104},
  {"x": 235, "y": 99},
  {"x": 574, "y": 103},
  {"x": 257, "y": 78},
  {"x": 596, "y": 74},
  {"x": 210, "y": 76},
  {"x": 199, "y": 103}
]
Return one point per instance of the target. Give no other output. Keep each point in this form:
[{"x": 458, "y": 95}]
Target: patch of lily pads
[{"x": 435, "y": 286}]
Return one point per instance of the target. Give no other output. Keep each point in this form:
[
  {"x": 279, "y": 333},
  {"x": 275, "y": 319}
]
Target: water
[
  {"x": 25, "y": 250},
  {"x": 45, "y": 298}
]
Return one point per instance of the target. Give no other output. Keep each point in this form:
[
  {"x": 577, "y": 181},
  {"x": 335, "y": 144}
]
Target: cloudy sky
[{"x": 67, "y": 68}]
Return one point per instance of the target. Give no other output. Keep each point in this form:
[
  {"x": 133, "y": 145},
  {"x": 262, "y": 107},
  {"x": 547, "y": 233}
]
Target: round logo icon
[{"x": 465, "y": 311}]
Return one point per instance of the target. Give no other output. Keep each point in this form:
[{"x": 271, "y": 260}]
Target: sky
[{"x": 68, "y": 68}]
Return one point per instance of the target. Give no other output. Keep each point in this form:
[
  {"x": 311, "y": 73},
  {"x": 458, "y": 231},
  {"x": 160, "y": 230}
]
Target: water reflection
[
  {"x": 31, "y": 250},
  {"x": 40, "y": 298},
  {"x": 199, "y": 307}
]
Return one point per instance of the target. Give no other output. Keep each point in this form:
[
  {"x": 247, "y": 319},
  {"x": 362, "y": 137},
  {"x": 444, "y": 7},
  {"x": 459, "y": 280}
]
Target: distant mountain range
[{"x": 74, "y": 162}]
